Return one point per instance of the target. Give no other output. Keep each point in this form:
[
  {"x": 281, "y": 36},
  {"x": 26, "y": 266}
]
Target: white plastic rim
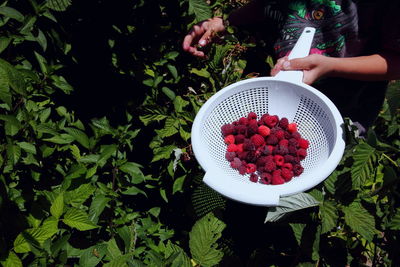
[{"x": 318, "y": 120}]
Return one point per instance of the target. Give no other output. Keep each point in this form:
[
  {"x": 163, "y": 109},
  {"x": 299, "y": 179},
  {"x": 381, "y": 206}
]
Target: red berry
[
  {"x": 284, "y": 142},
  {"x": 270, "y": 166},
  {"x": 287, "y": 174},
  {"x": 254, "y": 178},
  {"x": 248, "y": 145},
  {"x": 242, "y": 169},
  {"x": 280, "y": 134},
  {"x": 242, "y": 155},
  {"x": 230, "y": 156},
  {"x": 239, "y": 138},
  {"x": 266, "y": 178},
  {"x": 279, "y": 160},
  {"x": 272, "y": 139},
  {"x": 263, "y": 130},
  {"x": 277, "y": 178},
  {"x": 289, "y": 158},
  {"x": 227, "y": 129},
  {"x": 287, "y": 165},
  {"x": 257, "y": 140},
  {"x": 239, "y": 148},
  {"x": 232, "y": 148},
  {"x": 303, "y": 143},
  {"x": 283, "y": 123},
  {"x": 252, "y": 128},
  {"x": 241, "y": 129},
  {"x": 229, "y": 139},
  {"x": 236, "y": 163},
  {"x": 271, "y": 121},
  {"x": 302, "y": 153},
  {"x": 252, "y": 116},
  {"x": 250, "y": 168},
  {"x": 243, "y": 121},
  {"x": 292, "y": 127},
  {"x": 296, "y": 135},
  {"x": 297, "y": 169}
]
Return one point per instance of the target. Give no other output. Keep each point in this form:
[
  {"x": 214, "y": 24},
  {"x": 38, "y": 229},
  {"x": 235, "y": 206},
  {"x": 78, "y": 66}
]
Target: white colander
[{"x": 285, "y": 95}]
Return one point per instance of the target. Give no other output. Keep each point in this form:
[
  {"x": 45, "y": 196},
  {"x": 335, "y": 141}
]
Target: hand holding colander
[{"x": 318, "y": 120}]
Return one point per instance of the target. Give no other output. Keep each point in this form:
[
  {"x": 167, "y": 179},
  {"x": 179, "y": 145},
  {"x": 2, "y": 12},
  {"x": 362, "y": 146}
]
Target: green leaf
[
  {"x": 364, "y": 158},
  {"x": 169, "y": 128},
  {"x": 13, "y": 77},
  {"x": 106, "y": 152},
  {"x": 79, "y": 195},
  {"x": 394, "y": 223},
  {"x": 329, "y": 216},
  {"x": 178, "y": 183},
  {"x": 58, "y": 5},
  {"x": 200, "y": 9},
  {"x": 133, "y": 190},
  {"x": 13, "y": 153},
  {"x": 79, "y": 136},
  {"x": 133, "y": 169},
  {"x": 180, "y": 258},
  {"x": 119, "y": 261},
  {"x": 203, "y": 240},
  {"x": 149, "y": 118},
  {"x": 173, "y": 70},
  {"x": 79, "y": 219},
  {"x": 12, "y": 260},
  {"x": 4, "y": 42},
  {"x": 42, "y": 62},
  {"x": 297, "y": 229},
  {"x": 162, "y": 153},
  {"x": 289, "y": 204},
  {"x": 202, "y": 73},
  {"x": 12, "y": 125},
  {"x": 360, "y": 220},
  {"x": 168, "y": 92},
  {"x": 57, "y": 207},
  {"x": 11, "y": 13},
  {"x": 41, "y": 39},
  {"x": 97, "y": 206},
  {"x": 180, "y": 103},
  {"x": 33, "y": 237},
  {"x": 61, "y": 139},
  {"x": 113, "y": 250},
  {"x": 27, "y": 147}
]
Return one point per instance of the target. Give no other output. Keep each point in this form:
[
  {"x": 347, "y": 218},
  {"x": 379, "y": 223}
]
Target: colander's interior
[{"x": 314, "y": 120}]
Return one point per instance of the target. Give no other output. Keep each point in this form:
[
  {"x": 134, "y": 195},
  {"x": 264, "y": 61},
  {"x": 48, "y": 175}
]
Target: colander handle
[{"x": 300, "y": 49}]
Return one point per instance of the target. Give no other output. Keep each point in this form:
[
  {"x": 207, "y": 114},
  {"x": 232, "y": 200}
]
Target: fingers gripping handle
[{"x": 300, "y": 49}]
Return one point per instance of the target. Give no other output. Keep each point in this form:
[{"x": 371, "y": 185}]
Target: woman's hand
[
  {"x": 202, "y": 34},
  {"x": 314, "y": 66}
]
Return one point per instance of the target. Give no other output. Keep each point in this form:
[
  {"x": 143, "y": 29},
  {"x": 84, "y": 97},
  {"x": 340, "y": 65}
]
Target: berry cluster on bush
[{"x": 270, "y": 148}]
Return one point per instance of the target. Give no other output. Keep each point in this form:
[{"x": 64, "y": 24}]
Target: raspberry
[
  {"x": 248, "y": 145},
  {"x": 242, "y": 155},
  {"x": 261, "y": 161},
  {"x": 266, "y": 178},
  {"x": 283, "y": 123},
  {"x": 252, "y": 156},
  {"x": 263, "y": 130},
  {"x": 252, "y": 116},
  {"x": 243, "y": 121},
  {"x": 250, "y": 168},
  {"x": 293, "y": 142},
  {"x": 272, "y": 139},
  {"x": 292, "y": 150},
  {"x": 284, "y": 142},
  {"x": 232, "y": 148},
  {"x": 287, "y": 165},
  {"x": 241, "y": 129},
  {"x": 303, "y": 143},
  {"x": 289, "y": 158},
  {"x": 230, "y": 156},
  {"x": 279, "y": 160},
  {"x": 229, "y": 139},
  {"x": 271, "y": 121},
  {"x": 302, "y": 153},
  {"x": 277, "y": 179},
  {"x": 239, "y": 138},
  {"x": 292, "y": 127},
  {"x": 239, "y": 148},
  {"x": 236, "y": 163},
  {"x": 270, "y": 166},
  {"x": 296, "y": 135},
  {"x": 287, "y": 174},
  {"x": 281, "y": 150},
  {"x": 297, "y": 169},
  {"x": 257, "y": 140},
  {"x": 253, "y": 178},
  {"x": 280, "y": 134},
  {"x": 242, "y": 169},
  {"x": 252, "y": 128},
  {"x": 227, "y": 129}
]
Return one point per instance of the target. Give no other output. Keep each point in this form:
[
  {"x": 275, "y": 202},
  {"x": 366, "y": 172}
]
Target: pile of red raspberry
[{"x": 270, "y": 149}]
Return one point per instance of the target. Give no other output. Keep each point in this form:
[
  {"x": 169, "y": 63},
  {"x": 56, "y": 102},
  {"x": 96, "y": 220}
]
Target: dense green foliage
[{"x": 97, "y": 101}]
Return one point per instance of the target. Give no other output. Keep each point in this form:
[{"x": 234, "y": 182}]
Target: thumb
[{"x": 297, "y": 64}]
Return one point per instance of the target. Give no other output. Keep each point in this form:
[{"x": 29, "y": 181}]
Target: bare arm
[{"x": 376, "y": 67}]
